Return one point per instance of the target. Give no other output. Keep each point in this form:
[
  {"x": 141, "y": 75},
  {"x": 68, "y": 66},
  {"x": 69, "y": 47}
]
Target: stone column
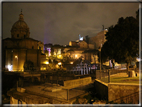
[
  {"x": 67, "y": 94},
  {"x": 109, "y": 75}
]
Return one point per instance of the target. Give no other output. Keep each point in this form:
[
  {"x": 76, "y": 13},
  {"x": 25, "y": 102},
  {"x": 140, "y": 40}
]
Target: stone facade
[{"x": 20, "y": 47}]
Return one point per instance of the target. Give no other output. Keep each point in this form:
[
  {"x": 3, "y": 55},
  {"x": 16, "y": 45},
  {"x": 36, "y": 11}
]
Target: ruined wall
[
  {"x": 123, "y": 93},
  {"x": 101, "y": 89},
  {"x": 17, "y": 58},
  {"x": 77, "y": 82},
  {"x": 120, "y": 93}
]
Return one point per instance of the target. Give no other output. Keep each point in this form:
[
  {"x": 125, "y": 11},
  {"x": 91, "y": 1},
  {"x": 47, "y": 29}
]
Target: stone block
[
  {"x": 19, "y": 89},
  {"x": 54, "y": 88},
  {"x": 132, "y": 74},
  {"x": 77, "y": 82}
]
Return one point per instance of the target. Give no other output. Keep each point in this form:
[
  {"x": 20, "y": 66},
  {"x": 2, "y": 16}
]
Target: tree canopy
[{"x": 122, "y": 41}]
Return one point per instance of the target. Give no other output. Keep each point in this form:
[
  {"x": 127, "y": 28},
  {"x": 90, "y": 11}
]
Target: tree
[
  {"x": 28, "y": 65},
  {"x": 122, "y": 41}
]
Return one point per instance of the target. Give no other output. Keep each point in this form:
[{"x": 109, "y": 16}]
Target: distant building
[
  {"x": 20, "y": 47},
  {"x": 47, "y": 49},
  {"x": 82, "y": 43},
  {"x": 53, "y": 50},
  {"x": 91, "y": 56}
]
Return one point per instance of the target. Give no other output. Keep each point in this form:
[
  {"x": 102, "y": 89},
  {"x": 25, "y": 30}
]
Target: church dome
[
  {"x": 20, "y": 24},
  {"x": 20, "y": 29}
]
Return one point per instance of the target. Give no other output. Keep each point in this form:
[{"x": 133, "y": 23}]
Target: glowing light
[
  {"x": 59, "y": 63},
  {"x": 60, "y": 56},
  {"x": 57, "y": 66},
  {"x": 43, "y": 68},
  {"x": 80, "y": 38},
  {"x": 16, "y": 56},
  {"x": 76, "y": 56},
  {"x": 138, "y": 59},
  {"x": 71, "y": 62},
  {"x": 49, "y": 54},
  {"x": 47, "y": 62},
  {"x": 9, "y": 67}
]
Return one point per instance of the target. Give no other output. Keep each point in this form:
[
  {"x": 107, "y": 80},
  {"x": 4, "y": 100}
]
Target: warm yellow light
[
  {"x": 16, "y": 56},
  {"x": 49, "y": 54},
  {"x": 59, "y": 63},
  {"x": 47, "y": 62},
  {"x": 76, "y": 56},
  {"x": 60, "y": 56},
  {"x": 10, "y": 67},
  {"x": 71, "y": 62}
]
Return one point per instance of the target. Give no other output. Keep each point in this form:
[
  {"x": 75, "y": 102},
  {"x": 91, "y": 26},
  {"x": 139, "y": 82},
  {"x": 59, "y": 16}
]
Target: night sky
[{"x": 59, "y": 23}]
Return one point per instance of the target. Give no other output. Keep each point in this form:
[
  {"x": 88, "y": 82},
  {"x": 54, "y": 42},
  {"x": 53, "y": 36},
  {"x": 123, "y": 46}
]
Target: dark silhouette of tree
[
  {"x": 122, "y": 41},
  {"x": 28, "y": 65}
]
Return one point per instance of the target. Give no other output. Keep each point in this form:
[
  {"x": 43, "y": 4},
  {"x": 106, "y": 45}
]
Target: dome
[
  {"x": 20, "y": 24},
  {"x": 20, "y": 29}
]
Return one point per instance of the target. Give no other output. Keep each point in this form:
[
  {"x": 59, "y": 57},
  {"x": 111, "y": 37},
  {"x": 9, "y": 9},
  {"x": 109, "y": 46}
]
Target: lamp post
[
  {"x": 47, "y": 63},
  {"x": 100, "y": 57}
]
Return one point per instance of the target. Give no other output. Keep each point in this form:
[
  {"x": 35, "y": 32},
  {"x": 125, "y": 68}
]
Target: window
[
  {"x": 32, "y": 47},
  {"x": 17, "y": 35}
]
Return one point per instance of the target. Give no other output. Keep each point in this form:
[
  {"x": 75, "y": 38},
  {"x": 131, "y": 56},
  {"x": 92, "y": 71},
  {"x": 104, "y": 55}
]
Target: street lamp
[
  {"x": 47, "y": 64},
  {"x": 71, "y": 62},
  {"x": 59, "y": 64},
  {"x": 16, "y": 56}
]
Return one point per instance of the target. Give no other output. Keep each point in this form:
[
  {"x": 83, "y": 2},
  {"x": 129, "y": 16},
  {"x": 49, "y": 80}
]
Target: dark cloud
[{"x": 58, "y": 23}]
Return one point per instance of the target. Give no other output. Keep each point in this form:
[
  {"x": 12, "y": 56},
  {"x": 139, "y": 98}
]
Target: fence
[{"x": 82, "y": 72}]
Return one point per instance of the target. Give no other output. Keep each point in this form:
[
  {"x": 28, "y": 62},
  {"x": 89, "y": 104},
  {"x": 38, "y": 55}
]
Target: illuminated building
[{"x": 20, "y": 47}]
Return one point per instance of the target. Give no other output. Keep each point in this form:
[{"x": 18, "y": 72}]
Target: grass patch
[{"x": 121, "y": 80}]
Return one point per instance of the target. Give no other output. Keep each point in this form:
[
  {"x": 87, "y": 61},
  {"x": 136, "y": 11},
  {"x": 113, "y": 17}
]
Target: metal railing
[{"x": 104, "y": 75}]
